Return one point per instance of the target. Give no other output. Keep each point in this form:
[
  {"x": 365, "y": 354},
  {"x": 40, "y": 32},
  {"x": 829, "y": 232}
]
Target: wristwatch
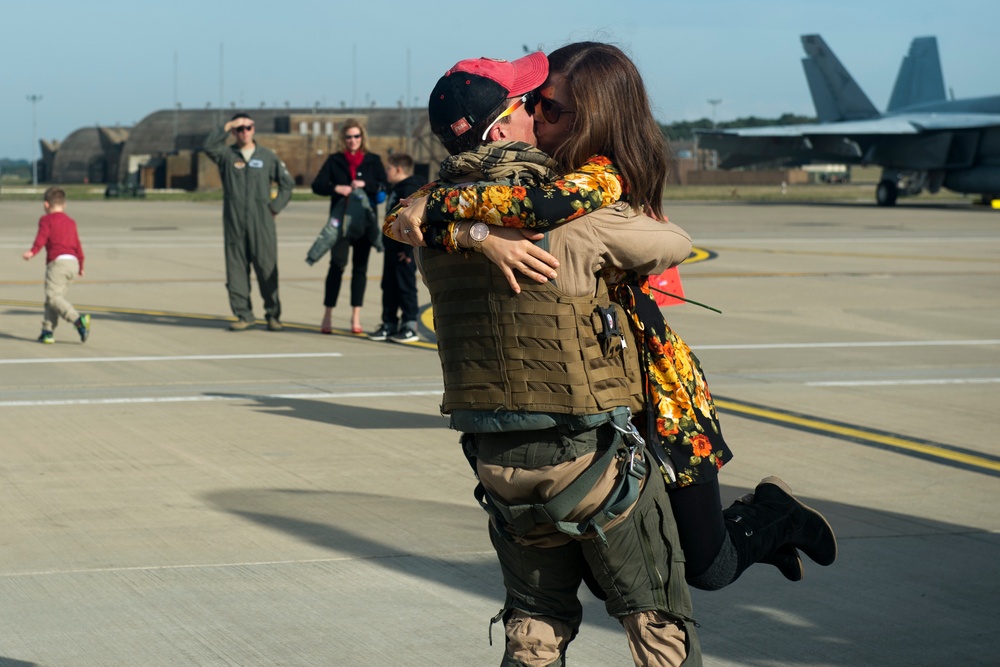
[{"x": 477, "y": 234}]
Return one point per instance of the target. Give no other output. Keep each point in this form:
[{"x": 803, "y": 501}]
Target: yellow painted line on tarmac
[
  {"x": 936, "y": 452},
  {"x": 699, "y": 255},
  {"x": 427, "y": 322},
  {"x": 925, "y": 449},
  {"x": 931, "y": 451}
]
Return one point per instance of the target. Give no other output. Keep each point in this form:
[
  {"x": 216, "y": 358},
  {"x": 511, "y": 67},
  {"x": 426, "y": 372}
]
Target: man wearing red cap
[
  {"x": 478, "y": 88},
  {"x": 542, "y": 381}
]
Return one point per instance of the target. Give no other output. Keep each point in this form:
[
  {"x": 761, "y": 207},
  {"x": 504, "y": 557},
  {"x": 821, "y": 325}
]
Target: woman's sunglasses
[{"x": 550, "y": 110}]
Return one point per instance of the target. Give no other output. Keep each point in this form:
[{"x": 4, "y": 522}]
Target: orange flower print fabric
[
  {"x": 686, "y": 424},
  {"x": 594, "y": 185}
]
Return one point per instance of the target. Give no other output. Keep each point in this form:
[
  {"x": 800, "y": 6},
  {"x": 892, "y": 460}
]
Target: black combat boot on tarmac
[{"x": 772, "y": 526}]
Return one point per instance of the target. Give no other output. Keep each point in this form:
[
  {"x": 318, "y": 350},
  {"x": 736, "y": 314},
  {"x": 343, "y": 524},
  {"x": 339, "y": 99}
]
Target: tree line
[{"x": 683, "y": 130}]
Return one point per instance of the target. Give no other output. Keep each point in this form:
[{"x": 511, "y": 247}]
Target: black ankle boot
[
  {"x": 764, "y": 529},
  {"x": 786, "y": 558}
]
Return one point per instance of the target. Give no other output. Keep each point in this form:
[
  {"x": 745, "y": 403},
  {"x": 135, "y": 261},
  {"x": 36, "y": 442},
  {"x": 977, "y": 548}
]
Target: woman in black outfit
[{"x": 353, "y": 167}]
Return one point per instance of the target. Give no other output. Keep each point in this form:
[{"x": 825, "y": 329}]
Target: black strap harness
[{"x": 520, "y": 519}]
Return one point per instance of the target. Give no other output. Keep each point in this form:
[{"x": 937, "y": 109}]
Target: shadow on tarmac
[
  {"x": 26, "y": 339},
  {"x": 350, "y": 416},
  {"x": 139, "y": 318},
  {"x": 889, "y": 599},
  {"x": 190, "y": 321},
  {"x": 10, "y": 662}
]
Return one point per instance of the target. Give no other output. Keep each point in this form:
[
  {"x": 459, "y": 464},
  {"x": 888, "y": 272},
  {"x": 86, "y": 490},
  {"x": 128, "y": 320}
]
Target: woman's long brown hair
[{"x": 613, "y": 118}]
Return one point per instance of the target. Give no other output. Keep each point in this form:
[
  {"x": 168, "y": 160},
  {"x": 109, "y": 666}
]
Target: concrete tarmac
[{"x": 176, "y": 494}]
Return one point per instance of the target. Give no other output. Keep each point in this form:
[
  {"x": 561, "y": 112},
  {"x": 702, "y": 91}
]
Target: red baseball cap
[
  {"x": 474, "y": 88},
  {"x": 517, "y": 76}
]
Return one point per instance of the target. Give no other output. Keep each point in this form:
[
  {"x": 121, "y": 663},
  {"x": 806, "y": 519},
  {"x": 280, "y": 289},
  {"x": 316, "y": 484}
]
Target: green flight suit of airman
[{"x": 248, "y": 221}]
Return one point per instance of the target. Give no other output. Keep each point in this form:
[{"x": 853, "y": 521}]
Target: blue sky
[{"x": 107, "y": 62}]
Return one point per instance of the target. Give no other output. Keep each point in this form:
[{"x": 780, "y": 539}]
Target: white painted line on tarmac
[
  {"x": 895, "y": 383},
  {"x": 242, "y": 564},
  {"x": 205, "y": 398},
  {"x": 708, "y": 242},
  {"x": 745, "y": 346},
  {"x": 191, "y": 357},
  {"x": 890, "y": 343}
]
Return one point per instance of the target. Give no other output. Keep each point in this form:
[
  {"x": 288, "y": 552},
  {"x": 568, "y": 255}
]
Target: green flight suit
[{"x": 248, "y": 221}]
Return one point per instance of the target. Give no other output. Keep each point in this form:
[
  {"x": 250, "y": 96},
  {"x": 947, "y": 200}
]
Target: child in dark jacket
[
  {"x": 64, "y": 260},
  {"x": 399, "y": 271}
]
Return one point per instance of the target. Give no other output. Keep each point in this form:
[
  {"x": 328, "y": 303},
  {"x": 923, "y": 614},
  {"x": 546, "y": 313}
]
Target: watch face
[{"x": 479, "y": 231}]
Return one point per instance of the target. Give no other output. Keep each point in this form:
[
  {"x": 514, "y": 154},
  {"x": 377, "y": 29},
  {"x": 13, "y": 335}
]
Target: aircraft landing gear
[
  {"x": 886, "y": 192},
  {"x": 896, "y": 183}
]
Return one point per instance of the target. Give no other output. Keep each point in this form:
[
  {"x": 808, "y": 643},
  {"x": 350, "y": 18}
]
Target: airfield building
[
  {"x": 164, "y": 149},
  {"x": 88, "y": 155}
]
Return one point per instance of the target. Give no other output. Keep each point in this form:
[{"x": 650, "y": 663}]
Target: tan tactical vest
[{"x": 540, "y": 351}]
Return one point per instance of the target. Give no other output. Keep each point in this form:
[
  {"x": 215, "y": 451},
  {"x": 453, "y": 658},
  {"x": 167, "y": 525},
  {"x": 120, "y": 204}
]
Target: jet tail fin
[
  {"x": 920, "y": 79},
  {"x": 835, "y": 93}
]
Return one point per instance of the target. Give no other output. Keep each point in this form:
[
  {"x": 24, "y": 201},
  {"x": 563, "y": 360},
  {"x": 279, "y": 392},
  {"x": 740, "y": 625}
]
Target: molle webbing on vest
[{"x": 536, "y": 351}]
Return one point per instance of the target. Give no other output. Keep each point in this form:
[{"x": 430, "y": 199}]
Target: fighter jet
[{"x": 922, "y": 142}]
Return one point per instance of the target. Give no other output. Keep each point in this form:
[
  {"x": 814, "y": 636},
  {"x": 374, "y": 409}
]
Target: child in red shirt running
[{"x": 64, "y": 260}]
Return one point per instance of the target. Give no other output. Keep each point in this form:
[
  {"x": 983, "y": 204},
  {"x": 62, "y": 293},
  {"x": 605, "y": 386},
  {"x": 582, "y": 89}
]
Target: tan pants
[
  {"x": 655, "y": 639},
  {"x": 58, "y": 277},
  {"x": 637, "y": 569}
]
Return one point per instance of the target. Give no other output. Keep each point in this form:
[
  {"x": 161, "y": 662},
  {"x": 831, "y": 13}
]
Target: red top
[{"x": 57, "y": 233}]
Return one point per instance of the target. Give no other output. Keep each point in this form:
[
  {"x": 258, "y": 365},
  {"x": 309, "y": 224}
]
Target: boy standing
[
  {"x": 399, "y": 272},
  {"x": 64, "y": 260}
]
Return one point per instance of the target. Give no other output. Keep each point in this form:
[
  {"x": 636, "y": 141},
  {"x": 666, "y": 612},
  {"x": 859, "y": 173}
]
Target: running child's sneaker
[{"x": 83, "y": 327}]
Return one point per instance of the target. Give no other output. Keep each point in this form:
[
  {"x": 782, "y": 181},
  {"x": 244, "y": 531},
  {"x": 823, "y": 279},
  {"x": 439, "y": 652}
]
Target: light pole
[
  {"x": 34, "y": 99},
  {"x": 714, "y": 104},
  {"x": 714, "y": 155}
]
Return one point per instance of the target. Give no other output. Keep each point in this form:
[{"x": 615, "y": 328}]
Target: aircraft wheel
[{"x": 886, "y": 193}]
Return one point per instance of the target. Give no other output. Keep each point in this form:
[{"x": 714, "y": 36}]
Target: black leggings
[
  {"x": 359, "y": 271},
  {"x": 698, "y": 513}
]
